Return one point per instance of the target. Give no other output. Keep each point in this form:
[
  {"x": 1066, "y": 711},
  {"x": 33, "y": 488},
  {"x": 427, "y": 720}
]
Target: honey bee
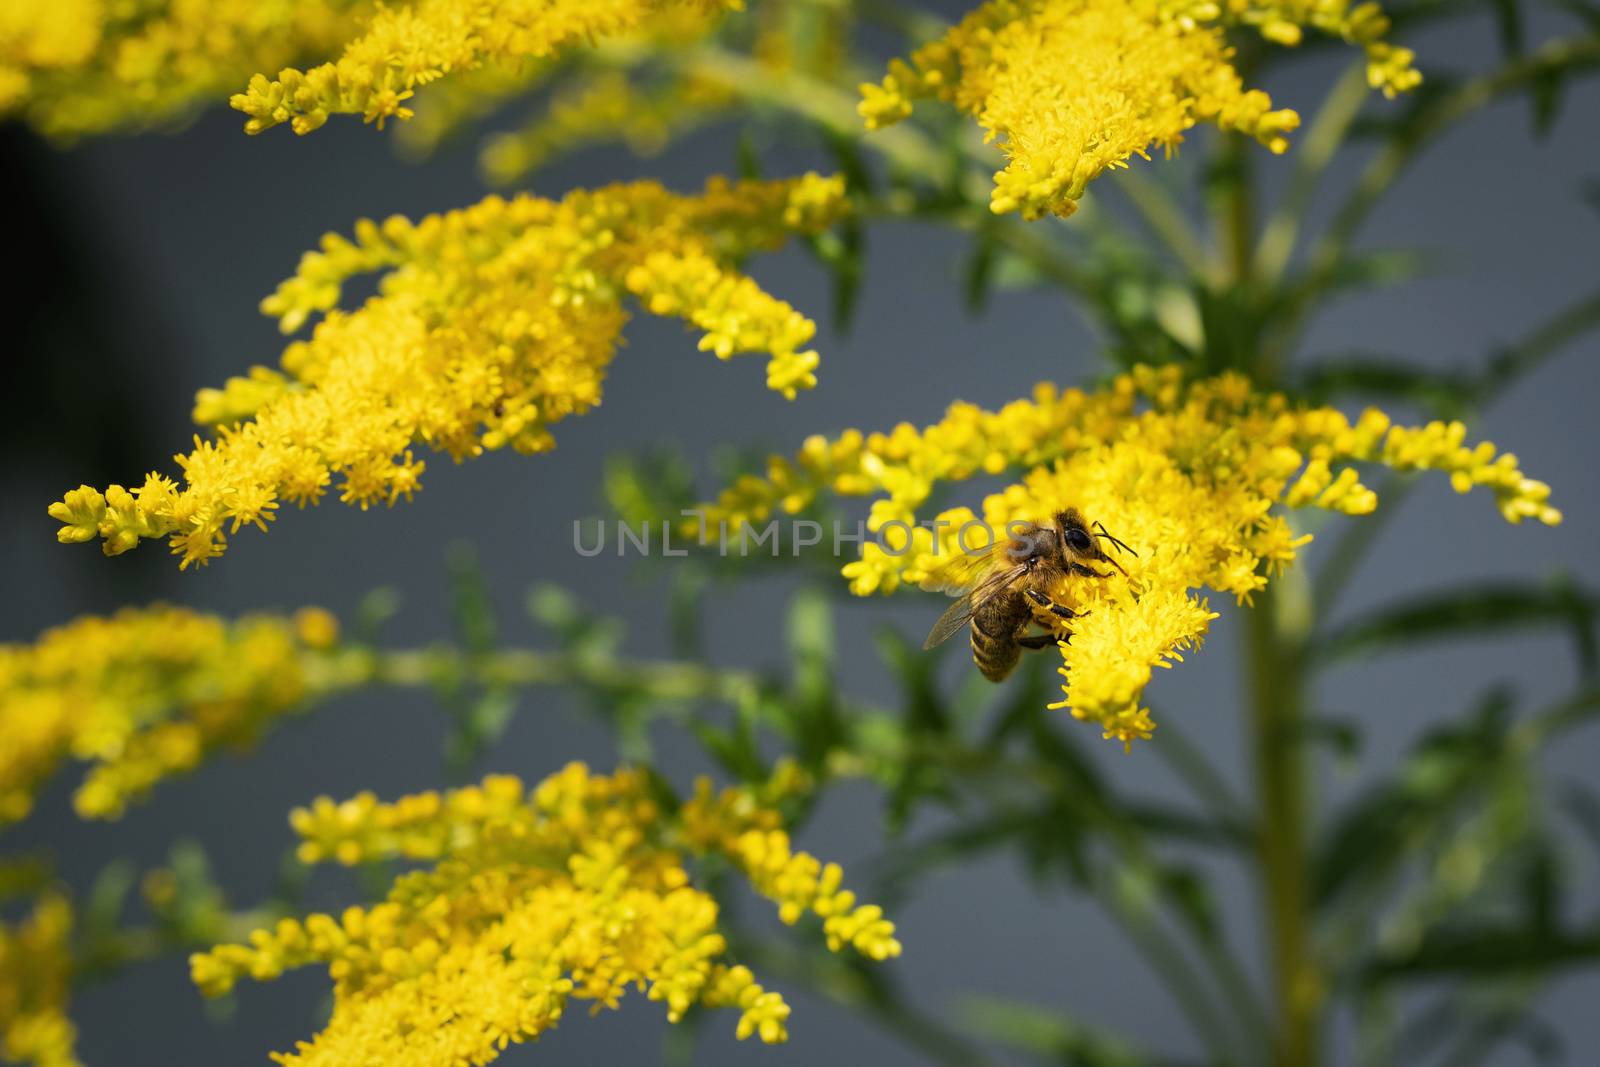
[{"x": 1000, "y": 589}]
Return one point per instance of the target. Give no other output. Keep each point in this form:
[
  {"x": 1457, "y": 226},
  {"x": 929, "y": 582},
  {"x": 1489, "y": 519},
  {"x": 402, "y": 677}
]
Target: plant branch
[
  {"x": 1406, "y": 146},
  {"x": 1312, "y": 155},
  {"x": 1279, "y": 624}
]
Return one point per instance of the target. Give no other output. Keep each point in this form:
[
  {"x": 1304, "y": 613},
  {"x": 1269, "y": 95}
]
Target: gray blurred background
[{"x": 143, "y": 261}]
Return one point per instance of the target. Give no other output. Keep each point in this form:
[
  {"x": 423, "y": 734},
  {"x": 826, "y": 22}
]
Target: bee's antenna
[{"x": 1106, "y": 534}]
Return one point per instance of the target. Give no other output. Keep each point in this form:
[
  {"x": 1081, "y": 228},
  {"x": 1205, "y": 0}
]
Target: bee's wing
[
  {"x": 967, "y": 571},
  {"x": 958, "y": 614}
]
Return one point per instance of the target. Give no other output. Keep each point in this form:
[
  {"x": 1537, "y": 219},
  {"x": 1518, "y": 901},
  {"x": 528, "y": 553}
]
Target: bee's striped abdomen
[{"x": 993, "y": 635}]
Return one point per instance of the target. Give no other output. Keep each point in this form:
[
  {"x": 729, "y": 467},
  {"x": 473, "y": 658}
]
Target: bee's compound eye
[{"x": 1078, "y": 540}]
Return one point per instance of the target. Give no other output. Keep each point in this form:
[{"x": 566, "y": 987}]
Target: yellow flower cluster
[
  {"x": 1074, "y": 87},
  {"x": 1361, "y": 22},
  {"x": 1187, "y": 473},
  {"x": 145, "y": 694},
  {"x": 493, "y": 323},
  {"x": 575, "y": 889},
  {"x": 35, "y": 976},
  {"x": 737, "y": 824},
  {"x": 75, "y": 67},
  {"x": 452, "y": 103},
  {"x": 406, "y": 47}
]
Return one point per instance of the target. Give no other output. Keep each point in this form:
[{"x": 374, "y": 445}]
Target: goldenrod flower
[
  {"x": 1186, "y": 473},
  {"x": 627, "y": 99},
  {"x": 1360, "y": 22},
  {"x": 1073, "y": 87},
  {"x": 35, "y": 977},
  {"x": 145, "y": 694},
  {"x": 406, "y": 47},
  {"x": 493, "y": 323},
  {"x": 74, "y": 67},
  {"x": 575, "y": 889}
]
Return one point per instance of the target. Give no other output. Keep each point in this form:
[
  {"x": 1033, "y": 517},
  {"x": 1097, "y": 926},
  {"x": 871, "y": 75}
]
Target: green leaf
[
  {"x": 1545, "y": 96},
  {"x": 102, "y": 913},
  {"x": 1508, "y": 22},
  {"x": 848, "y": 161},
  {"x": 1481, "y": 950},
  {"x": 375, "y": 609},
  {"x": 1489, "y": 609},
  {"x": 1187, "y": 889},
  {"x": 685, "y": 600},
  {"x": 472, "y": 609},
  {"x": 817, "y": 725},
  {"x": 1379, "y": 268},
  {"x": 480, "y": 713},
  {"x": 1049, "y": 1035},
  {"x": 652, "y": 487},
  {"x": 1380, "y": 827},
  {"x": 577, "y": 631},
  {"x": 1051, "y": 840},
  {"x": 1445, "y": 394},
  {"x": 925, "y": 716},
  {"x": 978, "y": 277},
  {"x": 735, "y": 746},
  {"x": 749, "y": 157},
  {"x": 840, "y": 253},
  {"x": 810, "y": 629},
  {"x": 1343, "y": 736}
]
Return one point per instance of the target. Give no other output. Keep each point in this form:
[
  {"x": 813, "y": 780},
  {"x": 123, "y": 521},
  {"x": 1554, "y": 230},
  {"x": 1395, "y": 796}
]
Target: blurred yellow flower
[
  {"x": 1187, "y": 473},
  {"x": 145, "y": 694},
  {"x": 492, "y": 324},
  {"x": 406, "y": 47},
  {"x": 75, "y": 67},
  {"x": 1360, "y": 22},
  {"x": 1073, "y": 87},
  {"x": 574, "y": 889},
  {"x": 35, "y": 976}
]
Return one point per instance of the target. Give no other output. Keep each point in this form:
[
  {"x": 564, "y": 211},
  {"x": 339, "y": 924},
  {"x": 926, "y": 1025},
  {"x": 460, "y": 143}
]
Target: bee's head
[{"x": 1076, "y": 540}]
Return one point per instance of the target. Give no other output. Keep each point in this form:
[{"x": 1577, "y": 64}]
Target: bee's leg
[
  {"x": 1087, "y": 572},
  {"x": 1035, "y": 642},
  {"x": 1058, "y": 610}
]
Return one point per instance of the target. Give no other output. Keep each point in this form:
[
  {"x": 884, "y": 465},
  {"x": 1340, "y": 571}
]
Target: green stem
[
  {"x": 669, "y": 681},
  {"x": 1350, "y": 549},
  {"x": 1575, "y": 54},
  {"x": 1165, "y": 217},
  {"x": 1235, "y": 196},
  {"x": 1404, "y": 148},
  {"x": 105, "y": 957},
  {"x": 1311, "y": 158},
  {"x": 1278, "y": 627},
  {"x": 904, "y": 146},
  {"x": 1190, "y": 764}
]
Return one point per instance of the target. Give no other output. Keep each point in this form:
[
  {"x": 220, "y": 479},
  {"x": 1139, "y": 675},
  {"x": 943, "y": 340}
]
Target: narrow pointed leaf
[{"x": 1489, "y": 609}]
